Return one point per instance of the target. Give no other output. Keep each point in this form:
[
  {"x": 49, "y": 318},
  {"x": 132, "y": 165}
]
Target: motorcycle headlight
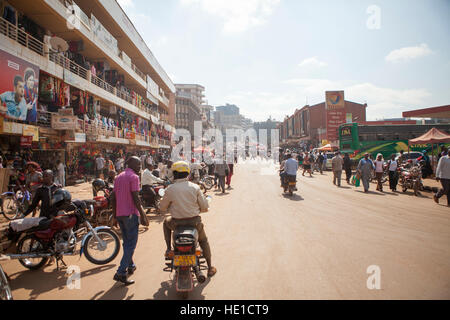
[{"x": 161, "y": 192}]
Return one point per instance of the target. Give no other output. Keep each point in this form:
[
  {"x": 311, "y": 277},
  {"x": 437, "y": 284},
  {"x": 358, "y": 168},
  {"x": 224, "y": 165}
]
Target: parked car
[
  {"x": 330, "y": 156},
  {"x": 414, "y": 155}
]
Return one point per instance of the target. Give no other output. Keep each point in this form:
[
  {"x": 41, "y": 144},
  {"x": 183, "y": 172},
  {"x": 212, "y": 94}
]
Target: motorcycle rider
[
  {"x": 290, "y": 169},
  {"x": 185, "y": 201},
  {"x": 148, "y": 180},
  {"x": 44, "y": 194}
]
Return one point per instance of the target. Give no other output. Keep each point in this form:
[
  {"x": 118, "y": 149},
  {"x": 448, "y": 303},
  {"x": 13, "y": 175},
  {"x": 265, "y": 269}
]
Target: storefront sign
[
  {"x": 75, "y": 137},
  {"x": 130, "y": 136},
  {"x": 336, "y": 115},
  {"x": 12, "y": 127},
  {"x": 31, "y": 131},
  {"x": 65, "y": 112},
  {"x": 21, "y": 77},
  {"x": 26, "y": 141},
  {"x": 64, "y": 122}
]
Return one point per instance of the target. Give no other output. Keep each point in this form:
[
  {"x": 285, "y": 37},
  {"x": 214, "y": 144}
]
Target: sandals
[{"x": 211, "y": 272}]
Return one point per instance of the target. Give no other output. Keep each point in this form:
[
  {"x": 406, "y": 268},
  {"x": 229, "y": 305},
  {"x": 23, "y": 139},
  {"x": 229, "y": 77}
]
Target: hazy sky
[{"x": 270, "y": 57}]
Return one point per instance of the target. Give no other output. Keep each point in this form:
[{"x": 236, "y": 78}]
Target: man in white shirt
[
  {"x": 443, "y": 175},
  {"x": 61, "y": 175},
  {"x": 393, "y": 175},
  {"x": 99, "y": 165},
  {"x": 148, "y": 180}
]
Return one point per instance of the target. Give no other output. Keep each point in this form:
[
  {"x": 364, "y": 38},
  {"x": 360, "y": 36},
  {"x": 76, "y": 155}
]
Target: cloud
[
  {"x": 126, "y": 3},
  {"x": 408, "y": 53},
  {"x": 382, "y": 102},
  {"x": 312, "y": 62},
  {"x": 237, "y": 15}
]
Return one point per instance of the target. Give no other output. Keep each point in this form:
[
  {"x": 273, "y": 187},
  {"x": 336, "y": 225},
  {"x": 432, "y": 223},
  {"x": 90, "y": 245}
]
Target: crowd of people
[{"x": 368, "y": 168}]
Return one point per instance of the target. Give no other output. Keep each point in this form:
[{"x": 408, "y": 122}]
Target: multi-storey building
[
  {"x": 105, "y": 92},
  {"x": 195, "y": 92},
  {"x": 187, "y": 113},
  {"x": 308, "y": 125}
]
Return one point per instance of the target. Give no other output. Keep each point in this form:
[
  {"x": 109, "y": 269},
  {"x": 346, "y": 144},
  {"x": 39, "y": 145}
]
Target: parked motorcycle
[
  {"x": 101, "y": 185},
  {"x": 411, "y": 179},
  {"x": 57, "y": 237},
  {"x": 186, "y": 260},
  {"x": 15, "y": 202},
  {"x": 5, "y": 290}
]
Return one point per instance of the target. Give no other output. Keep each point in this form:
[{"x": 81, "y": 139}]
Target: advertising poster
[
  {"x": 19, "y": 85},
  {"x": 336, "y": 115}
]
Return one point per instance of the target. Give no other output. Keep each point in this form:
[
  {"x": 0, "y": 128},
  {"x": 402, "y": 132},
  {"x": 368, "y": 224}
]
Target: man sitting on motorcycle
[
  {"x": 290, "y": 170},
  {"x": 185, "y": 201},
  {"x": 148, "y": 180},
  {"x": 44, "y": 194}
]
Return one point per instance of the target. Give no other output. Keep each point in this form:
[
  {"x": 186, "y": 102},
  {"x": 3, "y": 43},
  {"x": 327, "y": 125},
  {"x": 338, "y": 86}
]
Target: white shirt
[
  {"x": 393, "y": 165},
  {"x": 378, "y": 166},
  {"x": 149, "y": 179},
  {"x": 60, "y": 169},
  {"x": 443, "y": 168}
]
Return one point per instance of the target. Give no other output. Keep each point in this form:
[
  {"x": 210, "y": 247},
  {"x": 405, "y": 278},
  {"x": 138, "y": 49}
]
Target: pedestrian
[
  {"x": 393, "y": 174},
  {"x": 320, "y": 160},
  {"x": 109, "y": 167},
  {"x": 307, "y": 165},
  {"x": 337, "y": 163},
  {"x": 222, "y": 170},
  {"x": 325, "y": 159},
  {"x": 347, "y": 168},
  {"x": 99, "y": 165},
  {"x": 379, "y": 170},
  {"x": 443, "y": 175},
  {"x": 127, "y": 212},
  {"x": 61, "y": 174},
  {"x": 365, "y": 169},
  {"x": 230, "y": 174},
  {"x": 401, "y": 158}
]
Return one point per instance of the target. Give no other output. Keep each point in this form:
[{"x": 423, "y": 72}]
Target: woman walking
[
  {"x": 307, "y": 165},
  {"x": 379, "y": 170}
]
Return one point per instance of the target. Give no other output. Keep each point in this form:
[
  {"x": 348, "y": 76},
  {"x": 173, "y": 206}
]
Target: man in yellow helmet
[{"x": 185, "y": 201}]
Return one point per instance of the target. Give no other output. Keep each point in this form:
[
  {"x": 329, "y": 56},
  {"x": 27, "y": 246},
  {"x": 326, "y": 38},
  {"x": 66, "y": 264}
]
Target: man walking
[
  {"x": 347, "y": 167},
  {"x": 365, "y": 168},
  {"x": 393, "y": 175},
  {"x": 443, "y": 175},
  {"x": 337, "y": 163},
  {"x": 222, "y": 170},
  {"x": 320, "y": 159},
  {"x": 127, "y": 210},
  {"x": 99, "y": 165}
]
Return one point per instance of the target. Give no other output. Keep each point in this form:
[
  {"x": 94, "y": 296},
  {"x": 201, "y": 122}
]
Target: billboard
[
  {"x": 336, "y": 115},
  {"x": 19, "y": 86}
]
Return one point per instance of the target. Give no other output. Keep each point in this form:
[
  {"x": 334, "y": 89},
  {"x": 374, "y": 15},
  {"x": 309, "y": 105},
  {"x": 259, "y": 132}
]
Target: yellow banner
[{"x": 31, "y": 131}]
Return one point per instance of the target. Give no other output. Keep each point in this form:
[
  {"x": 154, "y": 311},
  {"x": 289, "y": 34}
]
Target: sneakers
[{"x": 123, "y": 278}]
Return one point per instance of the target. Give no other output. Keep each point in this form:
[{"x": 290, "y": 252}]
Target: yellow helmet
[{"x": 181, "y": 166}]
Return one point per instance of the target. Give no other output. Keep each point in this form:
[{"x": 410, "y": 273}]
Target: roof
[
  {"x": 431, "y": 137},
  {"x": 442, "y": 112}
]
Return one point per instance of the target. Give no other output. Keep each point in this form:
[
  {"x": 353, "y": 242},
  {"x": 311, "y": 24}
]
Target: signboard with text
[
  {"x": 64, "y": 122},
  {"x": 336, "y": 115}
]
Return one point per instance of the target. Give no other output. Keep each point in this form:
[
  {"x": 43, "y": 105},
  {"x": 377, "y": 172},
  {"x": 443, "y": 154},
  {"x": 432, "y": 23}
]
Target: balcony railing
[{"x": 20, "y": 36}]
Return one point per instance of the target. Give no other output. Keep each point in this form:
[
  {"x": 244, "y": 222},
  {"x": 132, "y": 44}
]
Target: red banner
[
  {"x": 19, "y": 86},
  {"x": 26, "y": 141},
  {"x": 336, "y": 115}
]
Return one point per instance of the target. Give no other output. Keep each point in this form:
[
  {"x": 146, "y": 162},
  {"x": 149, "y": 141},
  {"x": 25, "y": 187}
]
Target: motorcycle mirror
[{"x": 161, "y": 193}]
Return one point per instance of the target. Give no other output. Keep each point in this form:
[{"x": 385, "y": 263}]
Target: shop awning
[{"x": 431, "y": 137}]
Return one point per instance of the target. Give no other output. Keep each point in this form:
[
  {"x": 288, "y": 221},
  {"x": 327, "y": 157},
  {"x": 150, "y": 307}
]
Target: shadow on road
[
  {"x": 168, "y": 292},
  {"x": 371, "y": 192},
  {"x": 294, "y": 197},
  {"x": 117, "y": 292},
  {"x": 40, "y": 281}
]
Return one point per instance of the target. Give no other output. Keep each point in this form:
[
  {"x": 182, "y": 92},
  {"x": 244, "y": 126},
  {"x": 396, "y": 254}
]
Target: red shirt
[{"x": 126, "y": 183}]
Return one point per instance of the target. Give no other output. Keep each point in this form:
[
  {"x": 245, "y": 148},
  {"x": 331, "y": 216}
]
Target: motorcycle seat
[{"x": 28, "y": 224}]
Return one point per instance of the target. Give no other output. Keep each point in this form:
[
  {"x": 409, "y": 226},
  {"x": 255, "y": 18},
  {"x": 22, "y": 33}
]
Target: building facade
[{"x": 91, "y": 98}]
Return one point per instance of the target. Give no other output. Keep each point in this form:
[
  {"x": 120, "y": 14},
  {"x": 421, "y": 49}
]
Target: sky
[{"x": 271, "y": 57}]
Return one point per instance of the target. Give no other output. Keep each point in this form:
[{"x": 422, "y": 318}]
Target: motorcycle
[
  {"x": 411, "y": 179},
  {"x": 289, "y": 184},
  {"x": 5, "y": 290},
  {"x": 159, "y": 194},
  {"x": 55, "y": 238},
  {"x": 15, "y": 202},
  {"x": 186, "y": 260}
]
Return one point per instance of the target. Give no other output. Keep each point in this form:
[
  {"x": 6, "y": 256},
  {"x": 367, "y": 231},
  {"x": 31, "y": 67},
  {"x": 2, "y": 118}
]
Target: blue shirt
[
  {"x": 15, "y": 110},
  {"x": 291, "y": 167}
]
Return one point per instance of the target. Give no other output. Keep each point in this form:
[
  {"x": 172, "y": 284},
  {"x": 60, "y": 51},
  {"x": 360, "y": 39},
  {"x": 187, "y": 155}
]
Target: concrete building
[
  {"x": 268, "y": 125},
  {"x": 108, "y": 82},
  {"x": 186, "y": 114},
  {"x": 195, "y": 92},
  {"x": 308, "y": 125}
]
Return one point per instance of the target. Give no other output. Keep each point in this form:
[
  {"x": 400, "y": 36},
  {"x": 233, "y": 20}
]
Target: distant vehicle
[
  {"x": 330, "y": 156},
  {"x": 410, "y": 156}
]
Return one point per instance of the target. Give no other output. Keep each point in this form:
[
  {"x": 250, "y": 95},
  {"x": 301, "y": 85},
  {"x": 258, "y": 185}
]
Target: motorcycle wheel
[
  {"x": 209, "y": 183},
  {"x": 91, "y": 245},
  {"x": 31, "y": 244},
  {"x": 5, "y": 290},
  {"x": 10, "y": 208}
]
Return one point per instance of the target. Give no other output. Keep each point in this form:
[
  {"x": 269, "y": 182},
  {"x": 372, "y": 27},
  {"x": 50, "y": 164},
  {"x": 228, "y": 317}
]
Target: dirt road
[{"x": 317, "y": 245}]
